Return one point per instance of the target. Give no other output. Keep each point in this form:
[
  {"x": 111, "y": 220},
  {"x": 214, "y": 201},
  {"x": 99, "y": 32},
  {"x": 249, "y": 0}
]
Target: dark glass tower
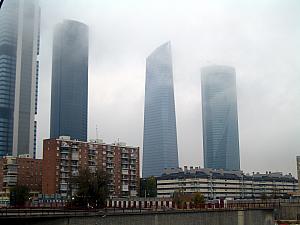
[
  {"x": 69, "y": 91},
  {"x": 220, "y": 118},
  {"x": 160, "y": 136},
  {"x": 19, "y": 47}
]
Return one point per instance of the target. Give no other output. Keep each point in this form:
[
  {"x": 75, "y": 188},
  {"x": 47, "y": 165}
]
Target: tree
[
  {"x": 198, "y": 198},
  {"x": 92, "y": 188},
  {"x": 19, "y": 195},
  {"x": 148, "y": 187},
  {"x": 179, "y": 198}
]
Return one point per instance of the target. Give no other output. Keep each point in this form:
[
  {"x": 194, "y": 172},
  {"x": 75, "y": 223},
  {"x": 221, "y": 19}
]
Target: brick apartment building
[
  {"x": 21, "y": 170},
  {"x": 63, "y": 158}
]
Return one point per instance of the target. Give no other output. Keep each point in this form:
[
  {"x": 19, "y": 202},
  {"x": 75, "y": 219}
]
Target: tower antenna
[{"x": 97, "y": 132}]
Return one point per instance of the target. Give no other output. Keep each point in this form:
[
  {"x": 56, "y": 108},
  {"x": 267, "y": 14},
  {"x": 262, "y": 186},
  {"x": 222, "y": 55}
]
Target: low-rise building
[
  {"x": 22, "y": 170},
  {"x": 63, "y": 158},
  {"x": 225, "y": 184}
]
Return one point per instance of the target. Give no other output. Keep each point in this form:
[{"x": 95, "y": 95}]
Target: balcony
[
  {"x": 133, "y": 193},
  {"x": 63, "y": 187},
  {"x": 110, "y": 171},
  {"x": 64, "y": 150},
  {"x": 64, "y": 164},
  {"x": 10, "y": 180},
  {"x": 75, "y": 172},
  {"x": 64, "y": 176},
  {"x": 124, "y": 156},
  {"x": 132, "y": 168},
  {"x": 91, "y": 158},
  {"x": 109, "y": 155},
  {"x": 92, "y": 163},
  {"x": 92, "y": 153},
  {"x": 132, "y": 184},
  {"x": 110, "y": 166},
  {"x": 75, "y": 156},
  {"x": 92, "y": 168},
  {"x": 125, "y": 188},
  {"x": 11, "y": 171},
  {"x": 132, "y": 162},
  {"x": 64, "y": 170},
  {"x": 124, "y": 150},
  {"x": 64, "y": 157}
]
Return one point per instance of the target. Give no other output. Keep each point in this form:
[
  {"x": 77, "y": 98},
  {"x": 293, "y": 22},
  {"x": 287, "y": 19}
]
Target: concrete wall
[{"x": 249, "y": 217}]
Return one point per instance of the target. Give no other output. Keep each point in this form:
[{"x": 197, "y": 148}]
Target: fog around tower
[{"x": 260, "y": 39}]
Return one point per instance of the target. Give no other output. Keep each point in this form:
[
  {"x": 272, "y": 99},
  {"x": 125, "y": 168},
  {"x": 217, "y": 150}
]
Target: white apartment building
[{"x": 225, "y": 184}]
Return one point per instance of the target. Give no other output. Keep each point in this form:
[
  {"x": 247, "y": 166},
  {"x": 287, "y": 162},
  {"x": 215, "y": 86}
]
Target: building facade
[
  {"x": 217, "y": 184},
  {"x": 160, "y": 135},
  {"x": 22, "y": 170},
  {"x": 63, "y": 159},
  {"x": 19, "y": 67},
  {"x": 220, "y": 118},
  {"x": 69, "y": 90}
]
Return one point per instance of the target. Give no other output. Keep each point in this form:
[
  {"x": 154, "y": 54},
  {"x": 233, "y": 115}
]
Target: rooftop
[{"x": 197, "y": 172}]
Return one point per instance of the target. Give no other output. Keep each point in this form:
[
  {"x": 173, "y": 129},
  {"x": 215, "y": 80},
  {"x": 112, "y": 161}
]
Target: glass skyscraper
[
  {"x": 69, "y": 91},
  {"x": 19, "y": 48},
  {"x": 160, "y": 136},
  {"x": 220, "y": 118}
]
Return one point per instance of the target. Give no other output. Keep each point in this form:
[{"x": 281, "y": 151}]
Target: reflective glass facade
[
  {"x": 220, "y": 118},
  {"x": 19, "y": 31},
  {"x": 69, "y": 91},
  {"x": 160, "y": 136}
]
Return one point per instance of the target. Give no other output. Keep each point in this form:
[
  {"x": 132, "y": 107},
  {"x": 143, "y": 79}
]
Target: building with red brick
[
  {"x": 63, "y": 158},
  {"x": 22, "y": 170}
]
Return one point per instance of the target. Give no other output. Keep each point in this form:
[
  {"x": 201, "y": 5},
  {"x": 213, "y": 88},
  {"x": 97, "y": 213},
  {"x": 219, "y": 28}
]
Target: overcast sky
[{"x": 260, "y": 38}]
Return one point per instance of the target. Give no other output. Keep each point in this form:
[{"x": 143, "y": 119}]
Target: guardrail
[
  {"x": 71, "y": 211},
  {"x": 31, "y": 212},
  {"x": 59, "y": 212}
]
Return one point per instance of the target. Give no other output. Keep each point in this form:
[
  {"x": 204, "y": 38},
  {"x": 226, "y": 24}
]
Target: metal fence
[{"x": 71, "y": 211}]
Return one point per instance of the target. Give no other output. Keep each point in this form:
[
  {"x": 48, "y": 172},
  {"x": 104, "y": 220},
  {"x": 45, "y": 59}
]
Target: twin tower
[{"x": 219, "y": 116}]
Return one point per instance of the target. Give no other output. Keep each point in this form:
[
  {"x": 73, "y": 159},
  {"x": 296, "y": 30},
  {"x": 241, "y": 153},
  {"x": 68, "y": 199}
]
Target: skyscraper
[
  {"x": 160, "y": 136},
  {"x": 220, "y": 118},
  {"x": 69, "y": 91},
  {"x": 19, "y": 47}
]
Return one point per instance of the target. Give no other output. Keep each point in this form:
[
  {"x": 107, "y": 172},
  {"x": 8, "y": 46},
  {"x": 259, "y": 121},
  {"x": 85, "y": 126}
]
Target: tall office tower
[
  {"x": 69, "y": 91},
  {"x": 19, "y": 48},
  {"x": 220, "y": 118},
  {"x": 160, "y": 136}
]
